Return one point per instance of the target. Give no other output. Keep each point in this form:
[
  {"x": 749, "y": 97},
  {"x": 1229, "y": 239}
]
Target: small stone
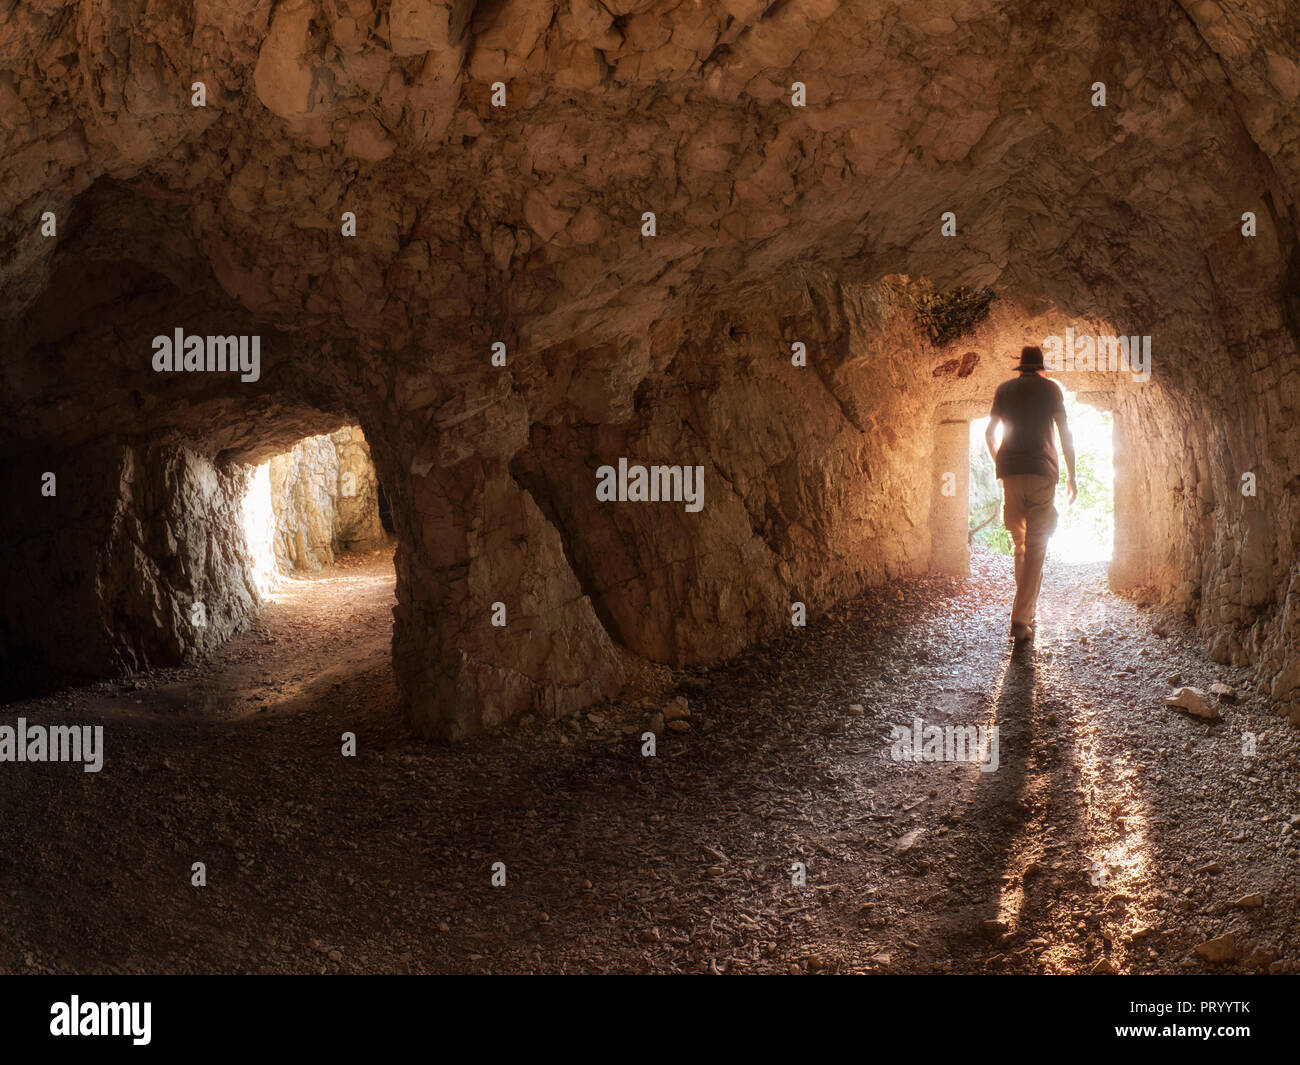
[
  {"x": 335, "y": 955},
  {"x": 1222, "y": 949},
  {"x": 856, "y": 710},
  {"x": 677, "y": 709},
  {"x": 993, "y": 929},
  {"x": 1104, "y": 967},
  {"x": 907, "y": 842},
  {"x": 1193, "y": 701},
  {"x": 1225, "y": 693},
  {"x": 680, "y": 725},
  {"x": 1174, "y": 679},
  {"x": 1250, "y": 902}
]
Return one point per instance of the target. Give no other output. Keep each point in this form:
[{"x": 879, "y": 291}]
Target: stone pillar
[
  {"x": 950, "y": 494},
  {"x": 470, "y": 538}
]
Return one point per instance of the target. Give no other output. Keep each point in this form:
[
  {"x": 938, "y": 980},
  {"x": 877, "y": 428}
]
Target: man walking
[{"x": 1027, "y": 407}]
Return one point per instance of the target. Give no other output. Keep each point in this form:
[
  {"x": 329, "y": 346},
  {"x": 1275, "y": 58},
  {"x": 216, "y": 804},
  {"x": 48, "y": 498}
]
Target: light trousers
[{"x": 1030, "y": 517}]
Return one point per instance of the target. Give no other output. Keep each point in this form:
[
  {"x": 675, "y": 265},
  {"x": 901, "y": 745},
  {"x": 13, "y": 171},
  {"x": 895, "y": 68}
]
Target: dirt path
[{"x": 1114, "y": 833}]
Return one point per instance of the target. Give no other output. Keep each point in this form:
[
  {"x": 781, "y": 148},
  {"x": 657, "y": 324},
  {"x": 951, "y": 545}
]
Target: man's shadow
[{"x": 1013, "y": 811}]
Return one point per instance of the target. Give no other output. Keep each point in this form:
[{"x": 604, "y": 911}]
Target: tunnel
[{"x": 659, "y": 325}]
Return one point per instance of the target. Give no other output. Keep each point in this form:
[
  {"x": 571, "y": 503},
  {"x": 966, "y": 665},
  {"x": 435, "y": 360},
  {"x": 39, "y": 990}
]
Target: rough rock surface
[
  {"x": 356, "y": 509},
  {"x": 774, "y": 225},
  {"x": 325, "y": 497},
  {"x": 137, "y": 560},
  {"x": 304, "y": 487},
  {"x": 1192, "y": 700}
]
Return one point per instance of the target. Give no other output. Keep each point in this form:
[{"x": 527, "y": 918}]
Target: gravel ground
[{"x": 1114, "y": 835}]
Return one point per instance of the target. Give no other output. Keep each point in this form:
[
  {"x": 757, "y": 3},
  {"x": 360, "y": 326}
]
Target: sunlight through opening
[
  {"x": 1086, "y": 530},
  {"x": 259, "y": 531}
]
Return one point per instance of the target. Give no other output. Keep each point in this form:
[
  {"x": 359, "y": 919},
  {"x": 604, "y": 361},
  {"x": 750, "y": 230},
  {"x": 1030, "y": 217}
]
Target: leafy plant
[{"x": 986, "y": 500}]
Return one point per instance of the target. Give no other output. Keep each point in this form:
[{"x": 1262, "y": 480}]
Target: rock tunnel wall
[
  {"x": 325, "y": 498},
  {"x": 135, "y": 560},
  {"x": 127, "y": 557},
  {"x": 524, "y": 226}
]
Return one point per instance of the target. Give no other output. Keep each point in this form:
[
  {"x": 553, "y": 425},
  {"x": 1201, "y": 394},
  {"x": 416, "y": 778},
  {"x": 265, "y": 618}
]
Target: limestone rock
[
  {"x": 369, "y": 141},
  {"x": 1222, "y": 949},
  {"x": 994, "y": 928},
  {"x": 357, "y": 524},
  {"x": 419, "y": 26},
  {"x": 1192, "y": 700},
  {"x": 286, "y": 78},
  {"x": 908, "y": 841},
  {"x": 304, "y": 487},
  {"x": 142, "y": 561}
]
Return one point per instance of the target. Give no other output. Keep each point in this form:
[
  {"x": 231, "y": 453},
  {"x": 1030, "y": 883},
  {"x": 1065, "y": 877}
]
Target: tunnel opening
[
  {"x": 313, "y": 503},
  {"x": 143, "y": 556},
  {"x": 1085, "y": 531}
]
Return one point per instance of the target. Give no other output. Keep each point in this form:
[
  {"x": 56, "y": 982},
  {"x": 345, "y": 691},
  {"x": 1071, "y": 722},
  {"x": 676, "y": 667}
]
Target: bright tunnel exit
[{"x": 1086, "y": 530}]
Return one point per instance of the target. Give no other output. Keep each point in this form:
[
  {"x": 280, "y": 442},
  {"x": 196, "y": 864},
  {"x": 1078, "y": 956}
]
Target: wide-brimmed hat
[{"x": 1031, "y": 358}]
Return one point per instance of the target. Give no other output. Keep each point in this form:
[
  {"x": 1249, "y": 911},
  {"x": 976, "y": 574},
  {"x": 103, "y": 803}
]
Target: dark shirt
[{"x": 1025, "y": 405}]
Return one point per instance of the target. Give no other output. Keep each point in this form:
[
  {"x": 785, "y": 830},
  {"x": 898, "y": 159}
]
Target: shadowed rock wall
[{"x": 137, "y": 560}]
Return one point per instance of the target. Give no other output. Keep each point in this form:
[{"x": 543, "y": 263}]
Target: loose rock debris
[{"x": 1114, "y": 837}]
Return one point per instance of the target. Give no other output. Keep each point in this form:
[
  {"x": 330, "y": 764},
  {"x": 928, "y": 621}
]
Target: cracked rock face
[
  {"x": 357, "y": 526},
  {"x": 118, "y": 569},
  {"x": 325, "y": 498},
  {"x": 304, "y": 490},
  {"x": 525, "y": 225}
]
